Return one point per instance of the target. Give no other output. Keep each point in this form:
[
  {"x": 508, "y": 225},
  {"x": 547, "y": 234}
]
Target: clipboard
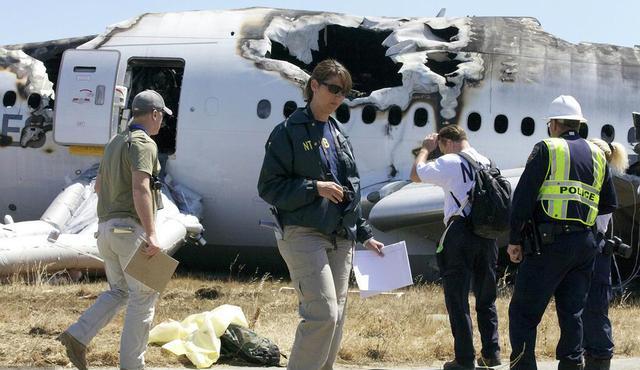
[{"x": 154, "y": 272}]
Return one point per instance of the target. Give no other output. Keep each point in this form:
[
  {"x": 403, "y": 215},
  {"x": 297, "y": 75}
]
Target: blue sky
[{"x": 613, "y": 22}]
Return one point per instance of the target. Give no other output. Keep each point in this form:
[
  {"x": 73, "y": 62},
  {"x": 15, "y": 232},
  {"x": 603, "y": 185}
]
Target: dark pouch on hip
[{"x": 546, "y": 233}]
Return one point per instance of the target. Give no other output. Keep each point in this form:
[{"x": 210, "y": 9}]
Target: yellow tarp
[{"x": 198, "y": 336}]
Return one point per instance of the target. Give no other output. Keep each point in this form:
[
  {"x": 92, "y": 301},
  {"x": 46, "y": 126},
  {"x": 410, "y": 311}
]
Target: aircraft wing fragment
[{"x": 417, "y": 204}]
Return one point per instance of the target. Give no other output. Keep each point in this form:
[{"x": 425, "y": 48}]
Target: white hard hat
[{"x": 566, "y": 107}]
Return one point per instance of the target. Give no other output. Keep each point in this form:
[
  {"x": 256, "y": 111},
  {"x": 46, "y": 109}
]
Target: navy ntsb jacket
[{"x": 292, "y": 165}]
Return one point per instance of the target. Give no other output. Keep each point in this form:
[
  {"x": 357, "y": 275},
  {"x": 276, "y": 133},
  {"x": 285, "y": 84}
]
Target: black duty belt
[{"x": 563, "y": 228}]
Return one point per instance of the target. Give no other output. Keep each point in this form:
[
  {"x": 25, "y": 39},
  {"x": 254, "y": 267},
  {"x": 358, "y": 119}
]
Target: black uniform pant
[
  {"x": 598, "y": 337},
  {"x": 465, "y": 259},
  {"x": 562, "y": 270}
]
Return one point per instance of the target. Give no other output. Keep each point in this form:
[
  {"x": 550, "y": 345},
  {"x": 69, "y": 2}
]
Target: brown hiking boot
[{"x": 76, "y": 351}]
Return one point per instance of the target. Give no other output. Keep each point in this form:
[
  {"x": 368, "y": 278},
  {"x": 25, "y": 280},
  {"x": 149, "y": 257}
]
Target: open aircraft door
[{"x": 84, "y": 105}]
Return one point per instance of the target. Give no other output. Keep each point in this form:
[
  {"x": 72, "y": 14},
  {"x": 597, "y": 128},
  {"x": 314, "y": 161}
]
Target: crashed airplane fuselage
[{"x": 232, "y": 75}]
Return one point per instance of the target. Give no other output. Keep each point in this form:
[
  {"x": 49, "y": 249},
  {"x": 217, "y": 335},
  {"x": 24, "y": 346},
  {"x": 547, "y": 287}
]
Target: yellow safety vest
[{"x": 558, "y": 189}]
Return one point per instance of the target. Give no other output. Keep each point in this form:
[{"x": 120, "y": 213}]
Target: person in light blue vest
[{"x": 598, "y": 332}]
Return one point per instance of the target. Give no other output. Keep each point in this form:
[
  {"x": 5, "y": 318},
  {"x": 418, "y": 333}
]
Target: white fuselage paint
[{"x": 220, "y": 139}]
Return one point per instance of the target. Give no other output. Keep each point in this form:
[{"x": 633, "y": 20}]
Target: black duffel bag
[{"x": 244, "y": 344}]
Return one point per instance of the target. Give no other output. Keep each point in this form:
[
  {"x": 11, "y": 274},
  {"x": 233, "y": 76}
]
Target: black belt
[
  {"x": 563, "y": 228},
  {"x": 341, "y": 232}
]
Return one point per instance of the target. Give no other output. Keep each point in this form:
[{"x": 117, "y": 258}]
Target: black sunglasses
[{"x": 334, "y": 89}]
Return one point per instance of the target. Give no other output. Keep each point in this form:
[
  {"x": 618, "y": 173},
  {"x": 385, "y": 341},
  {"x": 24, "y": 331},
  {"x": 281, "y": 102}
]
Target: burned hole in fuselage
[
  {"x": 358, "y": 49},
  {"x": 443, "y": 64},
  {"x": 447, "y": 34}
]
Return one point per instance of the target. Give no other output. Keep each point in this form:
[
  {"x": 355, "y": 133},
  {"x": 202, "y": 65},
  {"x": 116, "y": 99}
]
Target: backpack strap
[
  {"x": 476, "y": 166},
  {"x": 473, "y": 162}
]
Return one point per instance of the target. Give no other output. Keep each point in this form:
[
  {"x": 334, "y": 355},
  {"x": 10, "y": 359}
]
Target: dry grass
[{"x": 412, "y": 330}]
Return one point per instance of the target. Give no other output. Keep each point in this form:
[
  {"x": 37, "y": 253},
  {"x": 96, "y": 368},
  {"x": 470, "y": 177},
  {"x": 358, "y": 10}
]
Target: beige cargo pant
[
  {"x": 116, "y": 248},
  {"x": 320, "y": 274}
]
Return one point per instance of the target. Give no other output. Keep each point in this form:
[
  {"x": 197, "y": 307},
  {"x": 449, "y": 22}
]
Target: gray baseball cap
[{"x": 148, "y": 101}]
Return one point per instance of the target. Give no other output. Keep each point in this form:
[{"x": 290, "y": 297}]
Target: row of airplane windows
[
  {"x": 369, "y": 112},
  {"x": 421, "y": 117},
  {"x": 10, "y": 97}
]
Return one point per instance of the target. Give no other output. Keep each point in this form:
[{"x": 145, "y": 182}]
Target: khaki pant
[
  {"x": 116, "y": 249},
  {"x": 320, "y": 274}
]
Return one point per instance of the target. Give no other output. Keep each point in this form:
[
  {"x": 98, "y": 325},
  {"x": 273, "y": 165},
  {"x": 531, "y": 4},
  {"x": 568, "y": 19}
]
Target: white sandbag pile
[{"x": 64, "y": 238}]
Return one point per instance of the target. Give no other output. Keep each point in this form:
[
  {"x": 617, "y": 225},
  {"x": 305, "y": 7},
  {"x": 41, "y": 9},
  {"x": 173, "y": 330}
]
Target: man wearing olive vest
[{"x": 564, "y": 186}]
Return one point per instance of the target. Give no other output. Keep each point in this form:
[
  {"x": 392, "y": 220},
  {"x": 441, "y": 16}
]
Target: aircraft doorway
[{"x": 165, "y": 77}]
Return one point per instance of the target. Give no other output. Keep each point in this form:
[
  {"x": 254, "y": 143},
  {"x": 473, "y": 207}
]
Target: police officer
[
  {"x": 462, "y": 256},
  {"x": 564, "y": 186},
  {"x": 309, "y": 174},
  {"x": 598, "y": 333}
]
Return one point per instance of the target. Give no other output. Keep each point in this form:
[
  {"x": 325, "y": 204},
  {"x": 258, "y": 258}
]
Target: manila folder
[{"x": 154, "y": 272}]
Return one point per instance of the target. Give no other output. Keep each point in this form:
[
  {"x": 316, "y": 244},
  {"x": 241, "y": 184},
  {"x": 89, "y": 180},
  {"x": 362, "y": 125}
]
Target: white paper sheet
[{"x": 375, "y": 274}]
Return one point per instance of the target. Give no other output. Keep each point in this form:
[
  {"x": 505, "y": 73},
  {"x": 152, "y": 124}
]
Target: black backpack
[
  {"x": 244, "y": 344},
  {"x": 490, "y": 199}
]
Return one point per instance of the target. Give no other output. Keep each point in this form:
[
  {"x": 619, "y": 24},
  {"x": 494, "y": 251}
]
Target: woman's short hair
[
  {"x": 452, "y": 132},
  {"x": 325, "y": 70}
]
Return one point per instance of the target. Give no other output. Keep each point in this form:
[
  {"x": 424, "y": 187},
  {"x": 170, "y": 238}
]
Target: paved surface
[{"x": 617, "y": 364}]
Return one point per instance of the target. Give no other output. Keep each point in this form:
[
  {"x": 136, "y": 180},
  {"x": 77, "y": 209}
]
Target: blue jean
[
  {"x": 116, "y": 249},
  {"x": 563, "y": 270}
]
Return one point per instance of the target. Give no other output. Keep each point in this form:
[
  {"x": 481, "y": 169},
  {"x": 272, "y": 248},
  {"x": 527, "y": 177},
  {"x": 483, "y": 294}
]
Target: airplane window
[
  {"x": 528, "y": 126},
  {"x": 343, "y": 113},
  {"x": 289, "y": 107},
  {"x": 9, "y": 99},
  {"x": 608, "y": 133},
  {"x": 474, "y": 120},
  {"x": 34, "y": 101},
  {"x": 420, "y": 117},
  {"x": 395, "y": 115},
  {"x": 501, "y": 123},
  {"x": 264, "y": 108},
  {"x": 584, "y": 130},
  {"x": 368, "y": 113}
]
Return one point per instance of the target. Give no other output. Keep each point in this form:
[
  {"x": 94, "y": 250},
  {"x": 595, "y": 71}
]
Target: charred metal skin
[
  {"x": 33, "y": 134},
  {"x": 422, "y": 55},
  {"x": 33, "y": 85}
]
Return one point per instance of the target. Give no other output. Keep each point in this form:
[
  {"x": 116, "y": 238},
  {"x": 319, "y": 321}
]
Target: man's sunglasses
[{"x": 334, "y": 89}]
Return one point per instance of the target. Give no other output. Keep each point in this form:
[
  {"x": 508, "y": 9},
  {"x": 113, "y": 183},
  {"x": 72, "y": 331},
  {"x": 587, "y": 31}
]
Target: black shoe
[
  {"x": 591, "y": 363},
  {"x": 570, "y": 365},
  {"x": 455, "y": 365},
  {"x": 489, "y": 362}
]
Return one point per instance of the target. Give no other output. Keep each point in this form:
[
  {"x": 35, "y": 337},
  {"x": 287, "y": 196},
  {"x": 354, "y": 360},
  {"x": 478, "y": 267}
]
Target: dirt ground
[{"x": 411, "y": 329}]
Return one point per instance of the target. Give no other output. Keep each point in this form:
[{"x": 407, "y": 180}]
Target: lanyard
[
  {"x": 326, "y": 164},
  {"x": 137, "y": 126}
]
